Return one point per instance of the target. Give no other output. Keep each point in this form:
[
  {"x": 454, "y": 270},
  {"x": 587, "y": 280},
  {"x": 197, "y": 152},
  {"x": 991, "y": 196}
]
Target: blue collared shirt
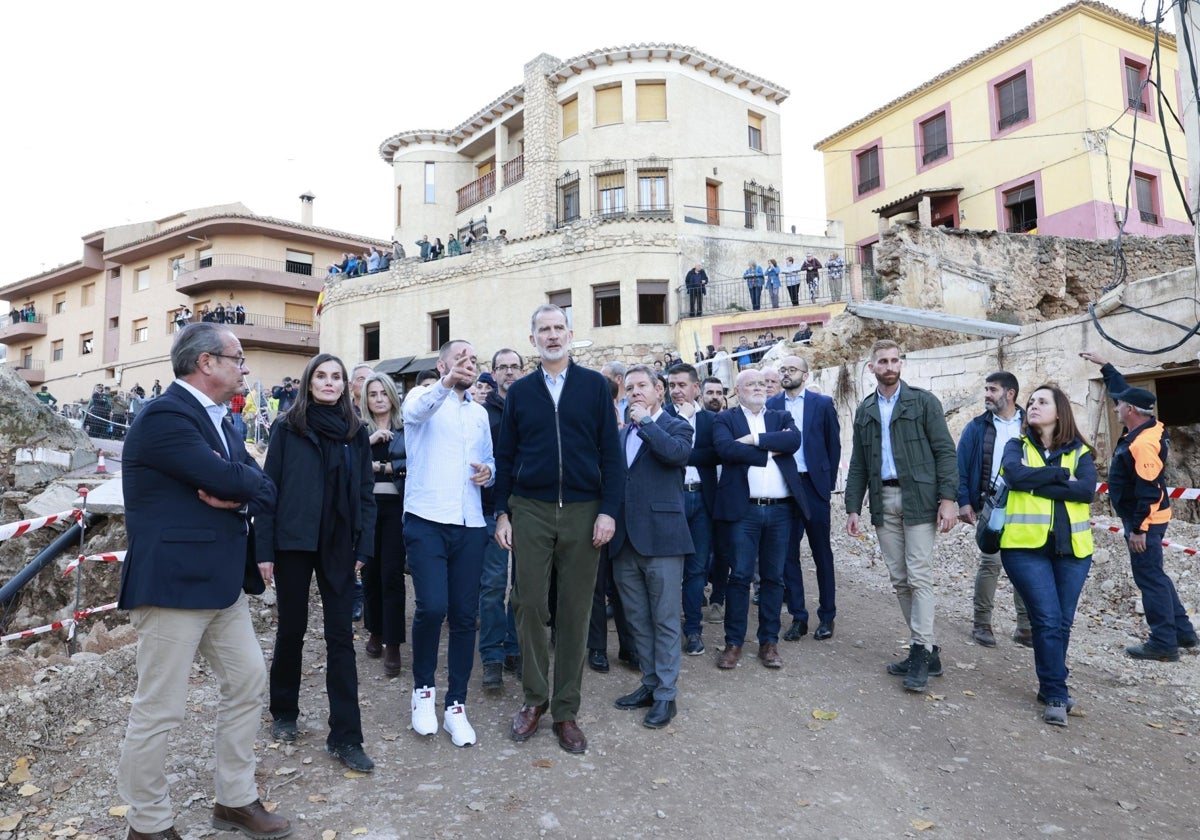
[
  {"x": 888, "y": 468},
  {"x": 795, "y": 406},
  {"x": 555, "y": 383}
]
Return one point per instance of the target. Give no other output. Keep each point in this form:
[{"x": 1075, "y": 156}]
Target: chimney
[{"x": 306, "y": 203}]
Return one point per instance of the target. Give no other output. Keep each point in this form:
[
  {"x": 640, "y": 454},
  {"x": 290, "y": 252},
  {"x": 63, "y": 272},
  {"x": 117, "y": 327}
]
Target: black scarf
[{"x": 339, "y": 499}]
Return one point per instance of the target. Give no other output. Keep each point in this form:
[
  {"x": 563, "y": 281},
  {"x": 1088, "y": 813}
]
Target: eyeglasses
[
  {"x": 240, "y": 359},
  {"x": 788, "y": 371},
  {"x": 503, "y": 368}
]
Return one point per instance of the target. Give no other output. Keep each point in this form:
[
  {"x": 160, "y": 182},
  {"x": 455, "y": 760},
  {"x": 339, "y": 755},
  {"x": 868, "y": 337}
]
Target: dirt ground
[{"x": 830, "y": 746}]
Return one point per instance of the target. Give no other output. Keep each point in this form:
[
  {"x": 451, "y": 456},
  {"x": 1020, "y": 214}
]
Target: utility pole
[{"x": 1187, "y": 25}]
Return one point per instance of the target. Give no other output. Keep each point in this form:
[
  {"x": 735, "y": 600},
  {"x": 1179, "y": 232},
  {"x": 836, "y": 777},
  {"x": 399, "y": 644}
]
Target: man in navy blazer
[
  {"x": 756, "y": 497},
  {"x": 190, "y": 488},
  {"x": 817, "y": 464},
  {"x": 650, "y": 542},
  {"x": 699, "y": 498}
]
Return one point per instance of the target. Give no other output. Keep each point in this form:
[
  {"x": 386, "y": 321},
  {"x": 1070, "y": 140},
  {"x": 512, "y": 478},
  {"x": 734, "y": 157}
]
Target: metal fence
[
  {"x": 246, "y": 261},
  {"x": 272, "y": 322},
  {"x": 728, "y": 296}
]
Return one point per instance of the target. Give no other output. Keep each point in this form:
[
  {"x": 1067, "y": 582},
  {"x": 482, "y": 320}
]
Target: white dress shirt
[
  {"x": 443, "y": 435},
  {"x": 216, "y": 412},
  {"x": 691, "y": 475},
  {"x": 765, "y": 482}
]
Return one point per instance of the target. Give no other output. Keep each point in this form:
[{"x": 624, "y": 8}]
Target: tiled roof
[
  {"x": 1078, "y": 5},
  {"x": 606, "y": 56},
  {"x": 270, "y": 220}
]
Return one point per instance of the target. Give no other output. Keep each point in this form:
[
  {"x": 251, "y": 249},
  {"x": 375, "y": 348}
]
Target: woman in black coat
[{"x": 323, "y": 524}]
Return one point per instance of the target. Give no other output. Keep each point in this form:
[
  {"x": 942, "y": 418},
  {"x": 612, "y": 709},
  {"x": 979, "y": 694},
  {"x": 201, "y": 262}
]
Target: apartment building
[
  {"x": 1033, "y": 135},
  {"x": 110, "y": 317}
]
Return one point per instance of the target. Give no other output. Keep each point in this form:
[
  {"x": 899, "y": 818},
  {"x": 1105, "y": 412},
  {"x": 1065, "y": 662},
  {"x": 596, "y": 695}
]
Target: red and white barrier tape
[
  {"x": 108, "y": 557},
  {"x": 16, "y": 529},
  {"x": 1172, "y": 492},
  {"x": 68, "y": 623},
  {"x": 1117, "y": 529}
]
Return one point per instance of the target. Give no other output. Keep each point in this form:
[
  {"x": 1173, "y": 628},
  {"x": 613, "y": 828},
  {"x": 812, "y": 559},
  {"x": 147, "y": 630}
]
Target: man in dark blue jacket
[
  {"x": 979, "y": 452},
  {"x": 559, "y": 481},
  {"x": 190, "y": 488},
  {"x": 817, "y": 467}
]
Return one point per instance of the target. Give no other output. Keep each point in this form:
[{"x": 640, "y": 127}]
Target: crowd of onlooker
[
  {"x": 26, "y": 314},
  {"x": 374, "y": 260},
  {"x": 795, "y": 277},
  {"x": 371, "y": 261}
]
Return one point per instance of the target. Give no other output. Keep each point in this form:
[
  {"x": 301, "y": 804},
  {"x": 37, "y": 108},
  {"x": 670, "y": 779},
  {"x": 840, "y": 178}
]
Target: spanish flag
[{"x": 321, "y": 300}]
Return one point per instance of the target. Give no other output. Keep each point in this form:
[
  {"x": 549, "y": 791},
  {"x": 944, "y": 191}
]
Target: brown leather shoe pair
[
  {"x": 525, "y": 722},
  {"x": 374, "y": 647},
  {"x": 769, "y": 654},
  {"x": 253, "y": 820},
  {"x": 570, "y": 736},
  {"x": 729, "y": 657},
  {"x": 391, "y": 661},
  {"x": 168, "y": 834}
]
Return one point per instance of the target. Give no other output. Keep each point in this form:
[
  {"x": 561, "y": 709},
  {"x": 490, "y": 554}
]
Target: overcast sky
[{"x": 128, "y": 111}]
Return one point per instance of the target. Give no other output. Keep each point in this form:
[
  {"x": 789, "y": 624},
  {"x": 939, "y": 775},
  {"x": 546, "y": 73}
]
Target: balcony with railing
[
  {"x": 224, "y": 271},
  {"x": 267, "y": 332},
  {"x": 32, "y": 371},
  {"x": 514, "y": 170},
  {"x": 479, "y": 189},
  {"x": 732, "y": 296},
  {"x": 22, "y": 330}
]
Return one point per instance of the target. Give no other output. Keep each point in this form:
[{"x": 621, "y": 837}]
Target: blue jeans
[
  {"x": 696, "y": 566},
  {"x": 497, "y": 626},
  {"x": 762, "y": 533},
  {"x": 1167, "y": 618},
  {"x": 1050, "y": 586},
  {"x": 445, "y": 561}
]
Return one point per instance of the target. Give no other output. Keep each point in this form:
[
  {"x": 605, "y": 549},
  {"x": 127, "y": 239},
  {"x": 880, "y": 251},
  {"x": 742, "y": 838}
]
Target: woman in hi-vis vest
[{"x": 1046, "y": 547}]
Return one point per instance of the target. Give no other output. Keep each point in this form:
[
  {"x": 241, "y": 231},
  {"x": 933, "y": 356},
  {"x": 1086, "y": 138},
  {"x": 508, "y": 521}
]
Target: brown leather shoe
[
  {"x": 169, "y": 834},
  {"x": 570, "y": 736},
  {"x": 253, "y": 820},
  {"x": 729, "y": 657},
  {"x": 392, "y": 664},
  {"x": 769, "y": 654},
  {"x": 374, "y": 646},
  {"x": 525, "y": 722}
]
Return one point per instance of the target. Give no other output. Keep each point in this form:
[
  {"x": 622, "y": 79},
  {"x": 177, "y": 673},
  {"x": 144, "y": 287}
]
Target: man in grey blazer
[{"x": 651, "y": 539}]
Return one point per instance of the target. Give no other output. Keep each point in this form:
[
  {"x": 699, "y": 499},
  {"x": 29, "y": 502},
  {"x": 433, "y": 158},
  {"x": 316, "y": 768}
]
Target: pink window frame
[
  {"x": 1009, "y": 186},
  {"x": 1156, "y": 194},
  {"x": 919, "y": 137},
  {"x": 862, "y": 243},
  {"x": 994, "y": 106},
  {"x": 1143, "y": 64},
  {"x": 877, "y": 144}
]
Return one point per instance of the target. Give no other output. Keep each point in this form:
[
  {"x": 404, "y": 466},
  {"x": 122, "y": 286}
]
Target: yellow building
[
  {"x": 1032, "y": 135},
  {"x": 109, "y": 317},
  {"x": 610, "y": 175}
]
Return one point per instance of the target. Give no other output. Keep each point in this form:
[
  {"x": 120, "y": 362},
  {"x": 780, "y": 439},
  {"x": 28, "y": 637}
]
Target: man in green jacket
[{"x": 904, "y": 458}]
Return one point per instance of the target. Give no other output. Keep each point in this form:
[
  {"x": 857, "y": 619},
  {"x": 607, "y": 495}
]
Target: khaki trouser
[
  {"x": 908, "y": 552},
  {"x": 167, "y": 641},
  {"x": 546, "y": 536}
]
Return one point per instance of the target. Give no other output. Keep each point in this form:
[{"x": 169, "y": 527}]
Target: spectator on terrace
[
  {"x": 372, "y": 261},
  {"x": 803, "y": 333},
  {"x": 835, "y": 269},
  {"x": 812, "y": 275},
  {"x": 453, "y": 248},
  {"x": 239, "y": 314},
  {"x": 438, "y": 249},
  {"x": 503, "y": 237},
  {"x": 397, "y": 250},
  {"x": 468, "y": 240},
  {"x": 791, "y": 279},
  {"x": 423, "y": 244},
  {"x": 772, "y": 274}
]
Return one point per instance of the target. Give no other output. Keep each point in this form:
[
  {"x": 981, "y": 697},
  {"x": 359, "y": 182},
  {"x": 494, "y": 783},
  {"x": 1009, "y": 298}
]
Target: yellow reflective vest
[{"x": 1029, "y": 519}]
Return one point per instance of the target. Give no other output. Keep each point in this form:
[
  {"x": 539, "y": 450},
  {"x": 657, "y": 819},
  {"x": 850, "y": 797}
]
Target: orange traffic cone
[{"x": 100, "y": 464}]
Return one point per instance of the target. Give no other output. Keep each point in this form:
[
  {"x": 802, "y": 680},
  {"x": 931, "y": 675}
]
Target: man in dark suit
[
  {"x": 699, "y": 496},
  {"x": 816, "y": 464},
  {"x": 756, "y": 497},
  {"x": 650, "y": 542},
  {"x": 190, "y": 488}
]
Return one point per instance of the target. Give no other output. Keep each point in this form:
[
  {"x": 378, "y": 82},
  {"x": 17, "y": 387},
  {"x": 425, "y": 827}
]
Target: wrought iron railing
[
  {"x": 249, "y": 319},
  {"x": 729, "y": 296},
  {"x": 514, "y": 170},
  {"x": 20, "y": 318},
  {"x": 477, "y": 191}
]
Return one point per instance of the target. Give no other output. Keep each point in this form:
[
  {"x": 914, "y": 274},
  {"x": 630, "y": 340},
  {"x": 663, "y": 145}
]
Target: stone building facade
[{"x": 612, "y": 174}]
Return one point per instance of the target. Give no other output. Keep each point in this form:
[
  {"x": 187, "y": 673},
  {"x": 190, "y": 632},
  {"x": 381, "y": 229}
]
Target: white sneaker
[
  {"x": 456, "y": 723},
  {"x": 424, "y": 710}
]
